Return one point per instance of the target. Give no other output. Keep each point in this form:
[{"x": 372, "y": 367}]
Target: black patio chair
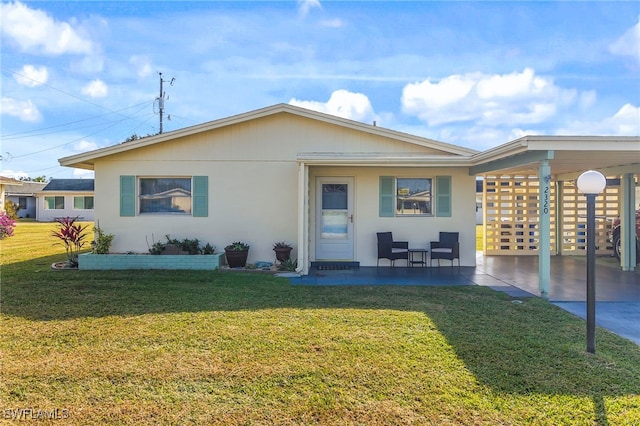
[
  {"x": 392, "y": 250},
  {"x": 447, "y": 247}
]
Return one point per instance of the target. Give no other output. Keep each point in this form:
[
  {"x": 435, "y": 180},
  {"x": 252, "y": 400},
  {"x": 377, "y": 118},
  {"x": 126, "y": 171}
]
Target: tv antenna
[{"x": 162, "y": 98}]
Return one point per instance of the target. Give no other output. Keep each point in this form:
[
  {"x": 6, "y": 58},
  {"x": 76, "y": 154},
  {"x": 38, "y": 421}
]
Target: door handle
[{"x": 351, "y": 218}]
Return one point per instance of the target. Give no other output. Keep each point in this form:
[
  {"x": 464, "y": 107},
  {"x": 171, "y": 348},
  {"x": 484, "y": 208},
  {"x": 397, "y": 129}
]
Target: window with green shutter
[
  {"x": 405, "y": 196},
  {"x": 165, "y": 195}
]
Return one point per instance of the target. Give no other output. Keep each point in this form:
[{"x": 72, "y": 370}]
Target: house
[
  {"x": 329, "y": 184},
  {"x": 4, "y": 181},
  {"x": 24, "y": 196},
  {"x": 66, "y": 198}
]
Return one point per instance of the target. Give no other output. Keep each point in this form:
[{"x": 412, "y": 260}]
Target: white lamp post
[{"x": 591, "y": 183}]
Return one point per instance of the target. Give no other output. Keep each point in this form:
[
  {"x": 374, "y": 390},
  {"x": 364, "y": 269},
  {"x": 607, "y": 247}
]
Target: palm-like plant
[{"x": 72, "y": 235}]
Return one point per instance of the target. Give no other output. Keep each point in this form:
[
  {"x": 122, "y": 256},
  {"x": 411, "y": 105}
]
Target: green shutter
[
  {"x": 443, "y": 196},
  {"x": 387, "y": 196},
  {"x": 200, "y": 196},
  {"x": 127, "y": 195}
]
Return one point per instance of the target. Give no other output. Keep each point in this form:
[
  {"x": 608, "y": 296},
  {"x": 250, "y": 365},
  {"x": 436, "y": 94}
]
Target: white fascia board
[{"x": 388, "y": 160}]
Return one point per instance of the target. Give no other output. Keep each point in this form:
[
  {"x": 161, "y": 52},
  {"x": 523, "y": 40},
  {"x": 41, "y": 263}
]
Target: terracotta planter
[
  {"x": 282, "y": 253},
  {"x": 236, "y": 258}
]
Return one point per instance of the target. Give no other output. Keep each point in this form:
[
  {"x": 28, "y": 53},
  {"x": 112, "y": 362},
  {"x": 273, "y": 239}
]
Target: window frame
[
  {"x": 54, "y": 197},
  {"x": 139, "y": 195},
  {"x": 84, "y": 202},
  {"x": 430, "y": 201}
]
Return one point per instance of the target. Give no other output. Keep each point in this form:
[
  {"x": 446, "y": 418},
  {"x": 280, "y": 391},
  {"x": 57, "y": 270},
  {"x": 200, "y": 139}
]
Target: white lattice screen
[
  {"x": 574, "y": 218},
  {"x": 511, "y": 216}
]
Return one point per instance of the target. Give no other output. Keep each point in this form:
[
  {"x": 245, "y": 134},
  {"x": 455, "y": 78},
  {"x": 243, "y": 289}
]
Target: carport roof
[{"x": 568, "y": 156}]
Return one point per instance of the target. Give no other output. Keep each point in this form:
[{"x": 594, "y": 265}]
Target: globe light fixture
[{"x": 591, "y": 183}]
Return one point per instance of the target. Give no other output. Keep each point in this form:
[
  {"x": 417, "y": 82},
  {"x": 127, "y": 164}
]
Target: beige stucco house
[
  {"x": 323, "y": 183},
  {"x": 328, "y": 185}
]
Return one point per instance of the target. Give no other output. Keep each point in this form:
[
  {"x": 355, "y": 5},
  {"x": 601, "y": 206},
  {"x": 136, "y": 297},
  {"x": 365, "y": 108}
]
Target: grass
[{"x": 178, "y": 347}]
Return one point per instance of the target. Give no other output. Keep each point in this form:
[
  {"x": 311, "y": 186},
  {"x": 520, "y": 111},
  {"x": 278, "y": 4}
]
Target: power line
[
  {"x": 70, "y": 142},
  {"x": 26, "y": 133}
]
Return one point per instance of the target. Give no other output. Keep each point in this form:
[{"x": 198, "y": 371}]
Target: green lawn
[{"x": 178, "y": 347}]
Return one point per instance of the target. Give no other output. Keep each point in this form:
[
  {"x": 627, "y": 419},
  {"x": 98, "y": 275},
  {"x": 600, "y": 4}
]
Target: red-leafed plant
[{"x": 73, "y": 236}]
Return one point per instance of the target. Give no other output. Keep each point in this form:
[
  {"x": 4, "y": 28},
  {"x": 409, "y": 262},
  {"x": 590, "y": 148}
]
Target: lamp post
[{"x": 591, "y": 183}]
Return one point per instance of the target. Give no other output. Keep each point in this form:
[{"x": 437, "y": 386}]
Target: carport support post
[
  {"x": 628, "y": 223},
  {"x": 544, "y": 228}
]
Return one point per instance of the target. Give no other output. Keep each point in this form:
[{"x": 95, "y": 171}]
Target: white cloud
[
  {"x": 83, "y": 174},
  {"x": 342, "y": 103},
  {"x": 14, "y": 174},
  {"x": 511, "y": 85},
  {"x": 24, "y": 110},
  {"x": 628, "y": 44},
  {"x": 332, "y": 23},
  {"x": 625, "y": 122},
  {"x": 84, "y": 146},
  {"x": 31, "y": 76},
  {"x": 508, "y": 99},
  {"x": 96, "y": 89},
  {"x": 142, "y": 65},
  {"x": 304, "y": 6},
  {"x": 35, "y": 31}
]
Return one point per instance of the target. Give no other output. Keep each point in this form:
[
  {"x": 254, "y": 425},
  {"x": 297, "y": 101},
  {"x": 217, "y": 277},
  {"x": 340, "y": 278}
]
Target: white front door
[{"x": 334, "y": 218}]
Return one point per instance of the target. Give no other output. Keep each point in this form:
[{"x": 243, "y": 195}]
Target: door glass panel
[
  {"x": 334, "y": 211},
  {"x": 334, "y": 196},
  {"x": 334, "y": 224}
]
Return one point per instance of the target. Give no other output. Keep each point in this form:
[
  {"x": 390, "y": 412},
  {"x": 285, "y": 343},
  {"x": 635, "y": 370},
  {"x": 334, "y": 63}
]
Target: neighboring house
[
  {"x": 328, "y": 185},
  {"x": 66, "y": 198},
  {"x": 25, "y": 197},
  {"x": 4, "y": 181}
]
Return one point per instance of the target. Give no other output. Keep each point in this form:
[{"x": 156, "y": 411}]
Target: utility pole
[{"x": 161, "y": 98}]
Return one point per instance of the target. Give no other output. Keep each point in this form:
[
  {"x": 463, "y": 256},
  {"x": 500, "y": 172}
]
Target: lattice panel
[
  {"x": 511, "y": 215},
  {"x": 573, "y": 211}
]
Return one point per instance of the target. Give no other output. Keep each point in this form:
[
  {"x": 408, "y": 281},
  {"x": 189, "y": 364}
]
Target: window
[
  {"x": 83, "y": 203},
  {"x": 54, "y": 203},
  {"x": 413, "y": 197},
  {"x": 165, "y": 195},
  {"x": 22, "y": 203}
]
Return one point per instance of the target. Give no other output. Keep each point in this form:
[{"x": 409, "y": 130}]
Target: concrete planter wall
[{"x": 90, "y": 261}]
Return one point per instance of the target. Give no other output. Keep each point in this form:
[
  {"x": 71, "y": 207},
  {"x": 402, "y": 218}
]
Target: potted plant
[
  {"x": 283, "y": 250},
  {"x": 236, "y": 254}
]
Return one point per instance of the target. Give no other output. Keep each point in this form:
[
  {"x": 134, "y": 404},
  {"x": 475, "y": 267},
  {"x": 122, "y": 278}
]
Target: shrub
[
  {"x": 102, "y": 241},
  {"x": 11, "y": 209},
  {"x": 6, "y": 226}
]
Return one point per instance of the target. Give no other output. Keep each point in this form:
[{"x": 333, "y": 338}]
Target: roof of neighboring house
[
  {"x": 69, "y": 185},
  {"x": 26, "y": 188},
  {"x": 9, "y": 181}
]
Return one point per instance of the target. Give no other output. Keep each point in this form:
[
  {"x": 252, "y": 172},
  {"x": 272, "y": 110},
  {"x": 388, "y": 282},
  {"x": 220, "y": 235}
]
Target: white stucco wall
[
  {"x": 253, "y": 188},
  {"x": 50, "y": 215}
]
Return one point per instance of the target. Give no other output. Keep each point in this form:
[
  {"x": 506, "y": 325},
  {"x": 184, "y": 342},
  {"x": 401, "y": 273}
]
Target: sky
[{"x": 82, "y": 75}]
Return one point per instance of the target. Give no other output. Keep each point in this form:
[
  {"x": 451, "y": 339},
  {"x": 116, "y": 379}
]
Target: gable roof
[
  {"x": 9, "y": 181},
  {"x": 86, "y": 160},
  {"x": 25, "y": 188},
  {"x": 71, "y": 185}
]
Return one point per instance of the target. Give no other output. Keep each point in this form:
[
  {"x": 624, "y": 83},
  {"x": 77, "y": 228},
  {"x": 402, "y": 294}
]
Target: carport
[{"x": 531, "y": 205}]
